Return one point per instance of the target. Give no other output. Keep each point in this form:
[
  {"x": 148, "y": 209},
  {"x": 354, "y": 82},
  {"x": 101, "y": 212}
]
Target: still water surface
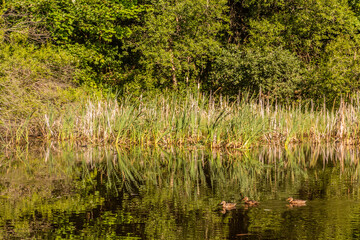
[{"x": 103, "y": 193}]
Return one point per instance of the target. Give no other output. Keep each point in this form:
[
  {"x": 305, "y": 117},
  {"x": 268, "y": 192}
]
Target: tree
[
  {"x": 313, "y": 31},
  {"x": 277, "y": 73},
  {"x": 178, "y": 40},
  {"x": 91, "y": 30}
]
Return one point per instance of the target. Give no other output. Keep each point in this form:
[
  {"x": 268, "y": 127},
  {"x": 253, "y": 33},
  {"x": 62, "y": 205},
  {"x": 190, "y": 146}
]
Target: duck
[
  {"x": 250, "y": 202},
  {"x": 296, "y": 201},
  {"x": 228, "y": 206}
]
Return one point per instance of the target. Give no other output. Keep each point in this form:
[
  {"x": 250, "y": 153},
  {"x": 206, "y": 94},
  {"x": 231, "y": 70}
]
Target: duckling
[
  {"x": 250, "y": 202},
  {"x": 228, "y": 206},
  {"x": 296, "y": 201}
]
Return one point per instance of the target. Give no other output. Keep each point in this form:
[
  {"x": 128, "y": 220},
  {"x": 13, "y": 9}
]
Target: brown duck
[
  {"x": 228, "y": 206},
  {"x": 250, "y": 202},
  {"x": 296, "y": 201}
]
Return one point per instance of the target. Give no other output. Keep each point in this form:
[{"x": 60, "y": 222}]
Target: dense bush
[
  {"x": 323, "y": 35},
  {"x": 277, "y": 73},
  {"x": 178, "y": 40},
  {"x": 32, "y": 78},
  {"x": 92, "y": 31},
  {"x": 338, "y": 74},
  {"x": 286, "y": 49}
]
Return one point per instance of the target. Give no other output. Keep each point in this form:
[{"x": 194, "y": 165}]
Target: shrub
[
  {"x": 277, "y": 73},
  {"x": 31, "y": 78}
]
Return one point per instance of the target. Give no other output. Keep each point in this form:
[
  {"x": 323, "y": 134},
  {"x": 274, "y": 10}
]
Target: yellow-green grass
[{"x": 194, "y": 120}]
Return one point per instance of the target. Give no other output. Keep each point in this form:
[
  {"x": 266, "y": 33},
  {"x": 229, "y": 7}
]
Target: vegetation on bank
[
  {"x": 193, "y": 120},
  {"x": 55, "y": 54}
]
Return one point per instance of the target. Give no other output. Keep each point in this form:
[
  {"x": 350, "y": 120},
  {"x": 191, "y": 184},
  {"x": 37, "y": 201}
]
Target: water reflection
[{"x": 67, "y": 192}]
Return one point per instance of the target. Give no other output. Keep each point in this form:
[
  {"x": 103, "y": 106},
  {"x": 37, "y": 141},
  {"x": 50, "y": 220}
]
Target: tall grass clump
[{"x": 200, "y": 120}]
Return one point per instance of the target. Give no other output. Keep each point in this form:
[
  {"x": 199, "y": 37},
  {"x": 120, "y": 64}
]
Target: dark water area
[{"x": 107, "y": 193}]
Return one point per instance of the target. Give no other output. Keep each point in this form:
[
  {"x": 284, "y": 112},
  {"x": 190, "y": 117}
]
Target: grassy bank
[{"x": 196, "y": 119}]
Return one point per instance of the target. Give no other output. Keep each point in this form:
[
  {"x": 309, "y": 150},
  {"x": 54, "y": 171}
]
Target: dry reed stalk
[{"x": 198, "y": 119}]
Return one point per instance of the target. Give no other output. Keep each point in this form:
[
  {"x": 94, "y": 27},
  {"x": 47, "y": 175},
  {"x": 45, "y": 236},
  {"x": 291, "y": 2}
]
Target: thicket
[{"x": 285, "y": 50}]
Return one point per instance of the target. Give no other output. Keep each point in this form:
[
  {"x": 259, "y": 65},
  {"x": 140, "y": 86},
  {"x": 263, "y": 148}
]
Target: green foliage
[
  {"x": 277, "y": 73},
  {"x": 355, "y": 6},
  {"x": 31, "y": 78},
  {"x": 339, "y": 72},
  {"x": 92, "y": 31},
  {"x": 314, "y": 32},
  {"x": 178, "y": 40},
  {"x": 286, "y": 49}
]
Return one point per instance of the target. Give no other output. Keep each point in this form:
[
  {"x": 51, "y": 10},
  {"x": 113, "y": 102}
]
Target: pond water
[{"x": 110, "y": 193}]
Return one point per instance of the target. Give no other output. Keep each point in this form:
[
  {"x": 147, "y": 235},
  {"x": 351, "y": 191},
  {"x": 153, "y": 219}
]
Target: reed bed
[{"x": 194, "y": 120}]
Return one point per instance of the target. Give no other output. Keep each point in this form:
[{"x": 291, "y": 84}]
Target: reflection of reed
[
  {"x": 337, "y": 153},
  {"x": 178, "y": 183},
  {"x": 189, "y": 171}
]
